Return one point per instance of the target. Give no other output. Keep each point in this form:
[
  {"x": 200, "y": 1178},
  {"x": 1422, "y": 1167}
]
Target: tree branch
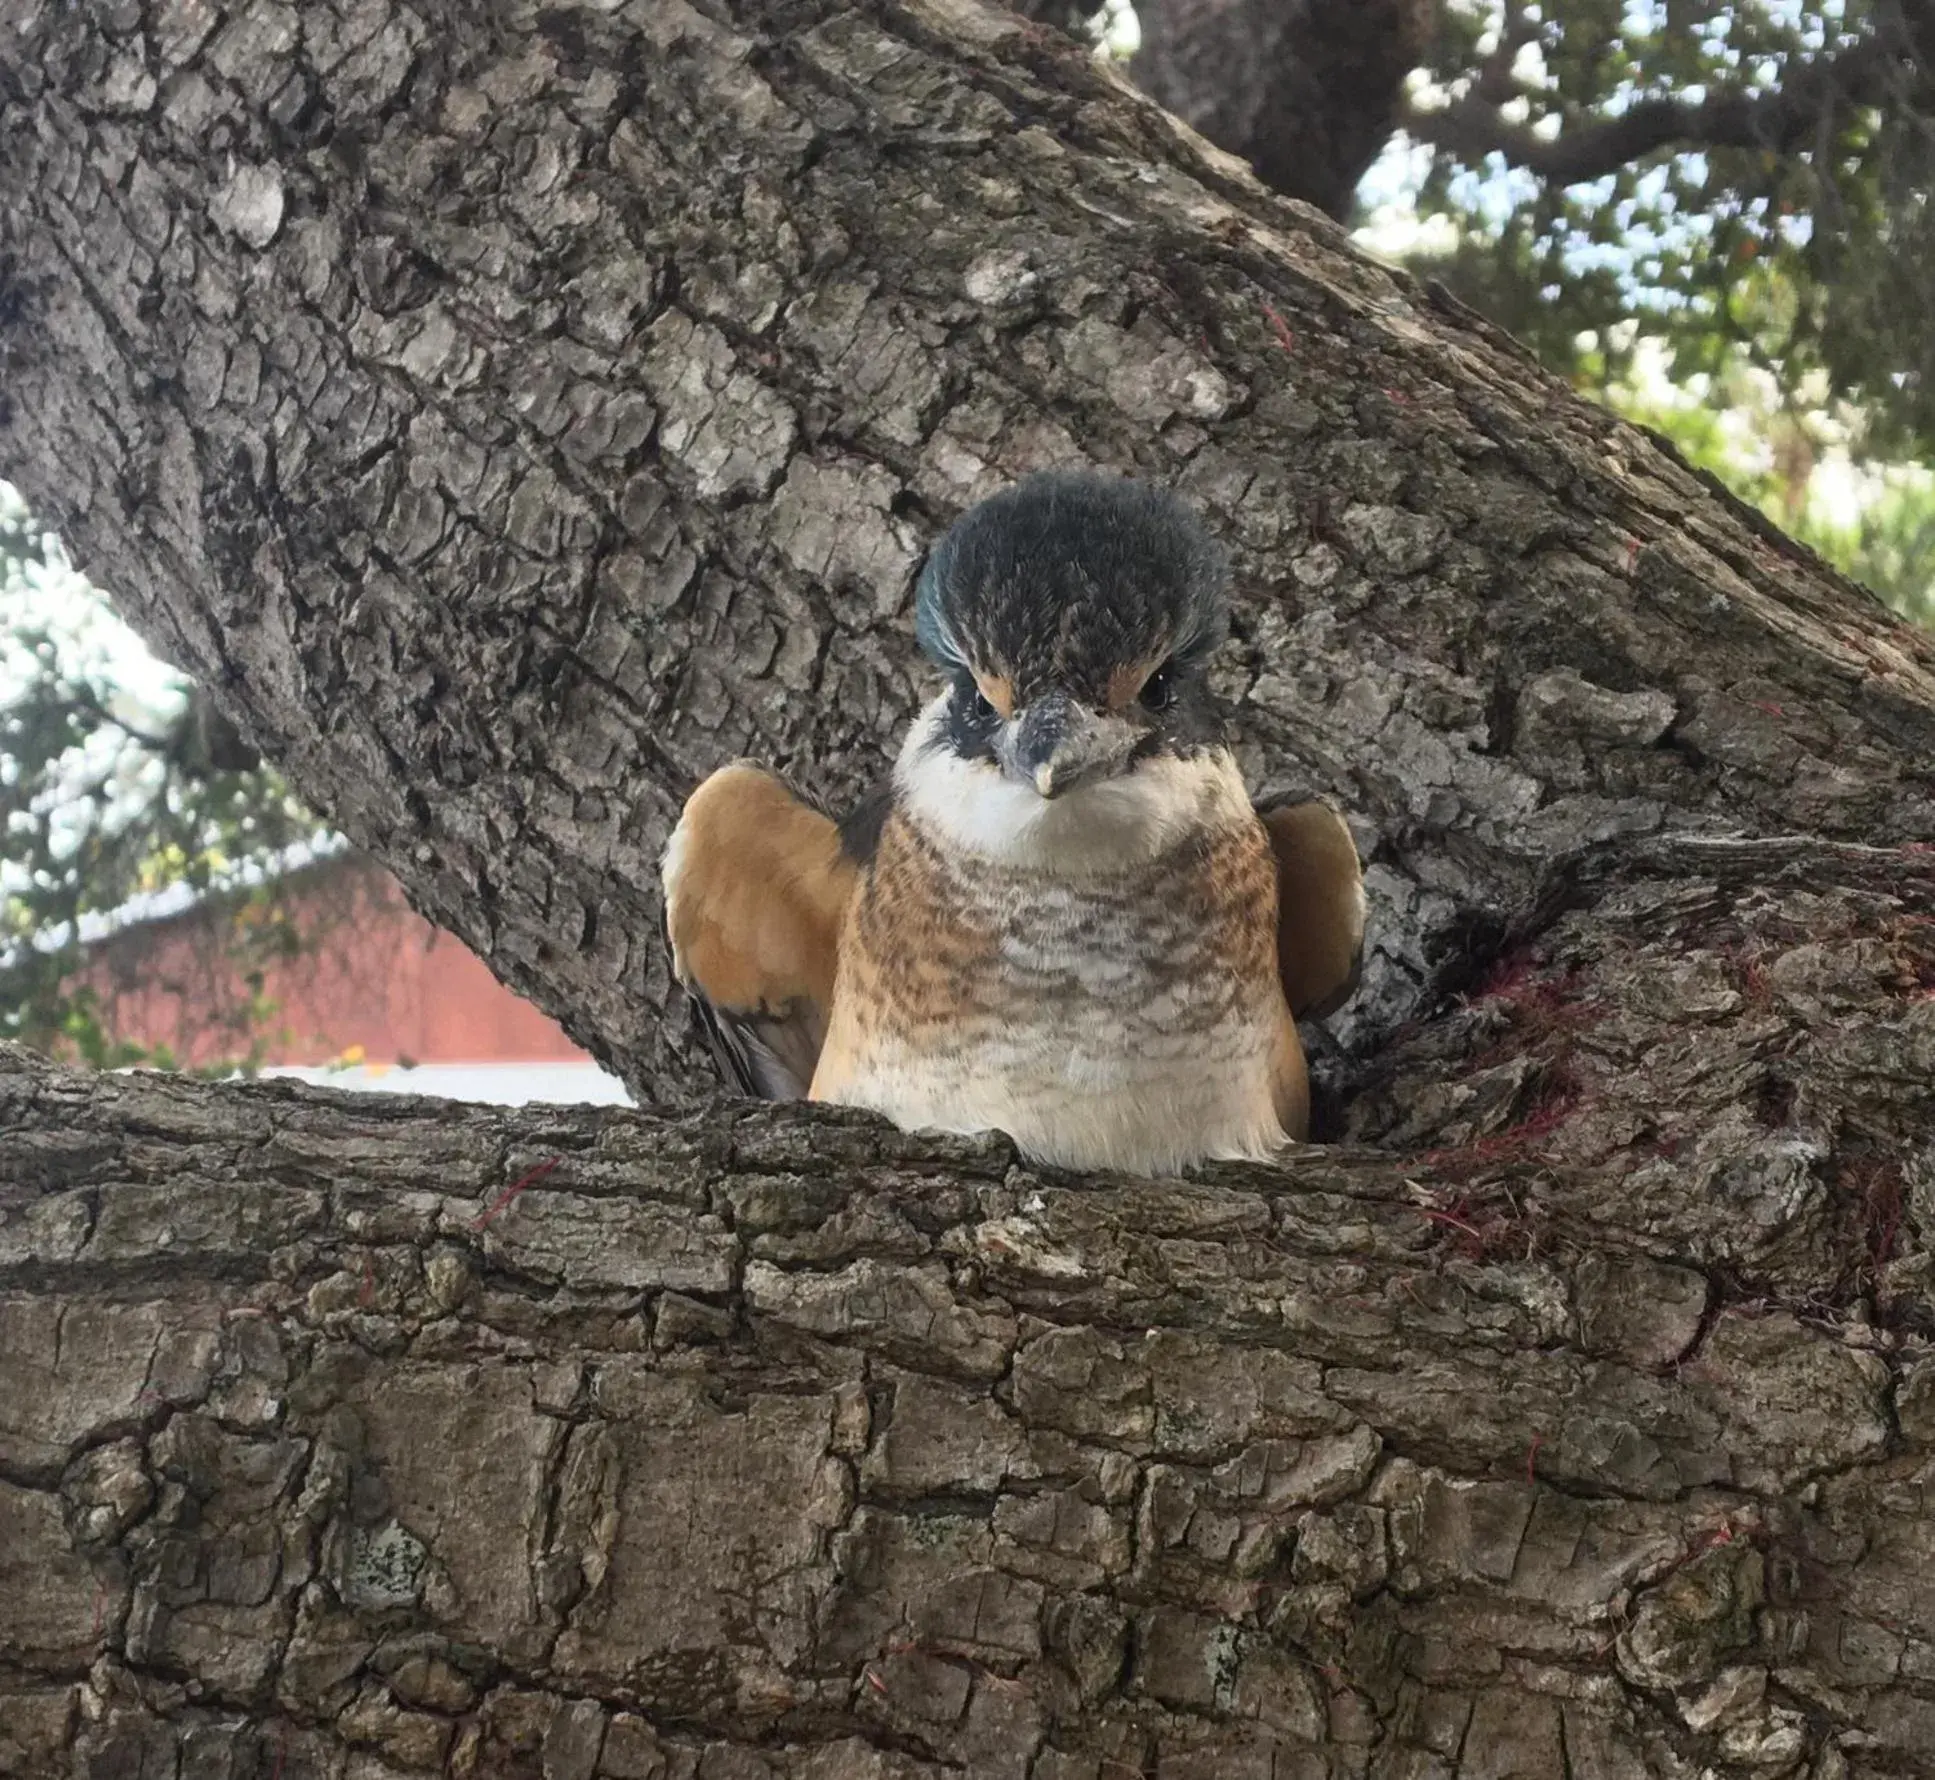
[
  {"x": 1496, "y": 82},
  {"x": 1787, "y": 117},
  {"x": 84, "y": 696},
  {"x": 515, "y": 574},
  {"x": 494, "y": 1438}
]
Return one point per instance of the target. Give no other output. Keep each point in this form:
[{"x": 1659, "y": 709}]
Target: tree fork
[
  {"x": 509, "y": 414},
  {"x": 500, "y": 467}
]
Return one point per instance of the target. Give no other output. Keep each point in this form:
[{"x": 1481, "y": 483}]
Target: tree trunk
[
  {"x": 1307, "y": 91},
  {"x": 510, "y": 414}
]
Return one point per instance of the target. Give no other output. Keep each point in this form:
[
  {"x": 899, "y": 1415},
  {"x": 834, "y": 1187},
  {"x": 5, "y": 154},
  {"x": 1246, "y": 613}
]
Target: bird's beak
[{"x": 1057, "y": 742}]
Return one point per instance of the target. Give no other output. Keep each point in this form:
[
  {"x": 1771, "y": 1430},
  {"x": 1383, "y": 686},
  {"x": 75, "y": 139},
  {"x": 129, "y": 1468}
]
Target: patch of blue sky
[{"x": 1495, "y": 195}]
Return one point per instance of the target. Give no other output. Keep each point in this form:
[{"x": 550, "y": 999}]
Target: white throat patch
[{"x": 1104, "y": 826}]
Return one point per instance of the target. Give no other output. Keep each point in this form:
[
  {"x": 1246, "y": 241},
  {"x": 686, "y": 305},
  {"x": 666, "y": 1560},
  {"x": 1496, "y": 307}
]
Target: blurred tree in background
[
  {"x": 1695, "y": 211},
  {"x": 1744, "y": 183},
  {"x": 1715, "y": 217},
  {"x": 118, "y": 783}
]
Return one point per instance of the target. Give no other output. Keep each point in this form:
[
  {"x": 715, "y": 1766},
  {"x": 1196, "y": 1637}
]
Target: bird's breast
[{"x": 1130, "y": 1019}]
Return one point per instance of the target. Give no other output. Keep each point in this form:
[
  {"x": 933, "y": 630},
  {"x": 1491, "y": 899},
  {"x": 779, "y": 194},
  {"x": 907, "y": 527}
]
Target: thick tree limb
[
  {"x": 1779, "y": 120},
  {"x": 567, "y": 1441},
  {"x": 1308, "y": 93}
]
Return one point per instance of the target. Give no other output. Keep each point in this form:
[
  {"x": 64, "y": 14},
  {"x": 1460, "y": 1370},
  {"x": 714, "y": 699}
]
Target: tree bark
[
  {"x": 440, "y": 1439},
  {"x": 509, "y": 414}
]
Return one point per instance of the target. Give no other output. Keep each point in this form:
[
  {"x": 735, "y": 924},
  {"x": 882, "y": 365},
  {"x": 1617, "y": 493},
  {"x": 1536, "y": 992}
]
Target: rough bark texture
[
  {"x": 512, "y": 413},
  {"x": 1307, "y": 91},
  {"x": 335, "y": 1436}
]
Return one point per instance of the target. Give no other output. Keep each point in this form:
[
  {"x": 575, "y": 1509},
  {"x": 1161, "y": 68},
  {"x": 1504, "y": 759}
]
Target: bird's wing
[
  {"x": 756, "y": 889},
  {"x": 1320, "y": 906}
]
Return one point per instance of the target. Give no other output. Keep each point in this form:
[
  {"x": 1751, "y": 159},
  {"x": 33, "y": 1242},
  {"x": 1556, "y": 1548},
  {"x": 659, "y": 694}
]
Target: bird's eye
[
  {"x": 1159, "y": 691},
  {"x": 979, "y": 707}
]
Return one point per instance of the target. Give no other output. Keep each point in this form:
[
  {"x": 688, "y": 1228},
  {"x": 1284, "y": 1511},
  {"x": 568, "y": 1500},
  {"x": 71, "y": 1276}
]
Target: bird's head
[{"x": 1074, "y": 616}]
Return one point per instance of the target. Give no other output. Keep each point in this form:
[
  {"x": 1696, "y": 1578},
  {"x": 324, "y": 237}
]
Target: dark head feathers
[{"x": 1067, "y": 577}]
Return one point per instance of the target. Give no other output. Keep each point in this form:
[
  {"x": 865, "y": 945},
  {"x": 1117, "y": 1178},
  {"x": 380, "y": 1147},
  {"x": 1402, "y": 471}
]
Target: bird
[{"x": 1061, "y": 916}]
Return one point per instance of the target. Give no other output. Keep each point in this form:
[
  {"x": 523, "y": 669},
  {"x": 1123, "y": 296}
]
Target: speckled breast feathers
[{"x": 1065, "y": 919}]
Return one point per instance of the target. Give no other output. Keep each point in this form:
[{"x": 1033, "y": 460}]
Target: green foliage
[
  {"x": 1883, "y": 534},
  {"x": 1889, "y": 547},
  {"x": 1708, "y": 215},
  {"x": 103, "y": 802},
  {"x": 23, "y": 545},
  {"x": 1781, "y": 225}
]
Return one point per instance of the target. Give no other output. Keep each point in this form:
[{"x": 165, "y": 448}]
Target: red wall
[{"x": 368, "y": 971}]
